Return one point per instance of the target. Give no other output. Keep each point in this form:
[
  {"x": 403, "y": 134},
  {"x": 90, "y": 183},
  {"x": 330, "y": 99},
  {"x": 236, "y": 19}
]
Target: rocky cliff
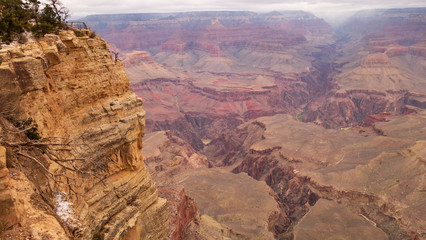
[{"x": 85, "y": 177}]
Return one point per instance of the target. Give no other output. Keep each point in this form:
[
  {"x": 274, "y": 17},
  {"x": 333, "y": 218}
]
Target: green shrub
[
  {"x": 13, "y": 19},
  {"x": 41, "y": 29},
  {"x": 92, "y": 34},
  {"x": 301, "y": 116},
  {"x": 30, "y": 127},
  {"x": 78, "y": 33},
  {"x": 98, "y": 236},
  {"x": 19, "y": 16}
]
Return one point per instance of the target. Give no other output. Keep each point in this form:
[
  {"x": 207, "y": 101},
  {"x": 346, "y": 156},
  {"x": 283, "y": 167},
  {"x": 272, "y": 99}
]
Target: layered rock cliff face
[
  {"x": 203, "y": 73},
  {"x": 204, "y": 30},
  {"x": 379, "y": 68},
  {"x": 89, "y": 177},
  {"x": 167, "y": 156}
]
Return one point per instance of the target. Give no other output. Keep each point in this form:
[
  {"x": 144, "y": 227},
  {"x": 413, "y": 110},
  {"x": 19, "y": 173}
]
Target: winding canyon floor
[
  {"x": 263, "y": 126},
  {"x": 360, "y": 179}
]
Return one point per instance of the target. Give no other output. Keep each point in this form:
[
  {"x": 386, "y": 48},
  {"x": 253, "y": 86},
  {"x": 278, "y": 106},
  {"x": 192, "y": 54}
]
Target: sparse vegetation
[
  {"x": 116, "y": 53},
  {"x": 18, "y": 17},
  {"x": 9, "y": 155},
  {"x": 98, "y": 236},
  {"x": 78, "y": 33},
  {"x": 301, "y": 116},
  {"x": 3, "y": 225},
  {"x": 92, "y": 34},
  {"x": 175, "y": 162},
  {"x": 30, "y": 127}
]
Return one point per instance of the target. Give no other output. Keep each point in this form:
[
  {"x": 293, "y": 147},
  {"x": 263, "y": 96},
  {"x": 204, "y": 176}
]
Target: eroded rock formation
[
  {"x": 305, "y": 162},
  {"x": 379, "y": 68},
  {"x": 79, "y": 96},
  {"x": 205, "y": 73}
]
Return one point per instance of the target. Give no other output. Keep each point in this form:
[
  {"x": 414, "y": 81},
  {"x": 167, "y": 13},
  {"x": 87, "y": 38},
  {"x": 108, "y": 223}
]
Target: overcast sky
[{"x": 323, "y": 8}]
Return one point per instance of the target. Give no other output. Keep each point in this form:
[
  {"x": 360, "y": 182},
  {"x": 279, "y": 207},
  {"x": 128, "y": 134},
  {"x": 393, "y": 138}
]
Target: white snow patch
[{"x": 64, "y": 209}]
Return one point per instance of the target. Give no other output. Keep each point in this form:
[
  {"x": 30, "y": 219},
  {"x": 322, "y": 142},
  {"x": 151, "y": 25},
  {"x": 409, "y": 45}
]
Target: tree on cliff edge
[
  {"x": 17, "y": 17},
  {"x": 62, "y": 13},
  {"x": 14, "y": 19}
]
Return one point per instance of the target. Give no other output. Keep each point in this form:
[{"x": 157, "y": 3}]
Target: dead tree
[
  {"x": 35, "y": 157},
  {"x": 70, "y": 172},
  {"x": 115, "y": 55},
  {"x": 60, "y": 10}
]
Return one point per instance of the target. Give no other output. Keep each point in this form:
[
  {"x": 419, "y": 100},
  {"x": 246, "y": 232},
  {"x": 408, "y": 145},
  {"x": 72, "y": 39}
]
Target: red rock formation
[
  {"x": 351, "y": 107},
  {"x": 175, "y": 47},
  {"x": 177, "y": 32},
  {"x": 374, "y": 60},
  {"x": 371, "y": 119},
  {"x": 184, "y": 215},
  {"x": 167, "y": 156},
  {"x": 396, "y": 51},
  {"x": 136, "y": 58},
  {"x": 418, "y": 51},
  {"x": 204, "y": 113},
  {"x": 379, "y": 78}
]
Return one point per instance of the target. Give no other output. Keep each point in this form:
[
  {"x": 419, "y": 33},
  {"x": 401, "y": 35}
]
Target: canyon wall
[
  {"x": 289, "y": 60},
  {"x": 344, "y": 160},
  {"x": 87, "y": 175},
  {"x": 379, "y": 68},
  {"x": 204, "y": 73}
]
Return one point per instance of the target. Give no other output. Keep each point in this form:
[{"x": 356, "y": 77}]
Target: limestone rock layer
[{"x": 79, "y": 97}]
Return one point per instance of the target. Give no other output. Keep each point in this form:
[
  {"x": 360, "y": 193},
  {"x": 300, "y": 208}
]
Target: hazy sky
[{"x": 322, "y": 8}]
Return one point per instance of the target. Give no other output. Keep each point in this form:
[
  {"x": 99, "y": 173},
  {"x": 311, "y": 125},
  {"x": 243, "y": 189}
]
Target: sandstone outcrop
[
  {"x": 167, "y": 156},
  {"x": 80, "y": 99},
  {"x": 11, "y": 207}
]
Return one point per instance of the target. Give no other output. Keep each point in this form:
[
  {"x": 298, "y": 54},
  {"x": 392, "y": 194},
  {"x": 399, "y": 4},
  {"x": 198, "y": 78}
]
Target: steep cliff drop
[
  {"x": 84, "y": 178},
  {"x": 328, "y": 126}
]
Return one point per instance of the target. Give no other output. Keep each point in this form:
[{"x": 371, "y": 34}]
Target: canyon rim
[{"x": 216, "y": 125}]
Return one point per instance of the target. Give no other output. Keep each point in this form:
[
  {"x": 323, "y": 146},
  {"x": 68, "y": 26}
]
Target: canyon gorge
[
  {"x": 254, "y": 126},
  {"x": 332, "y": 120}
]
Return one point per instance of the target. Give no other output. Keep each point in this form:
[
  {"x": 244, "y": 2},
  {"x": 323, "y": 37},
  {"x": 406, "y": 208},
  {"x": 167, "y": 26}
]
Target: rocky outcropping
[
  {"x": 196, "y": 114},
  {"x": 97, "y": 185},
  {"x": 166, "y": 157},
  {"x": 11, "y": 209}
]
